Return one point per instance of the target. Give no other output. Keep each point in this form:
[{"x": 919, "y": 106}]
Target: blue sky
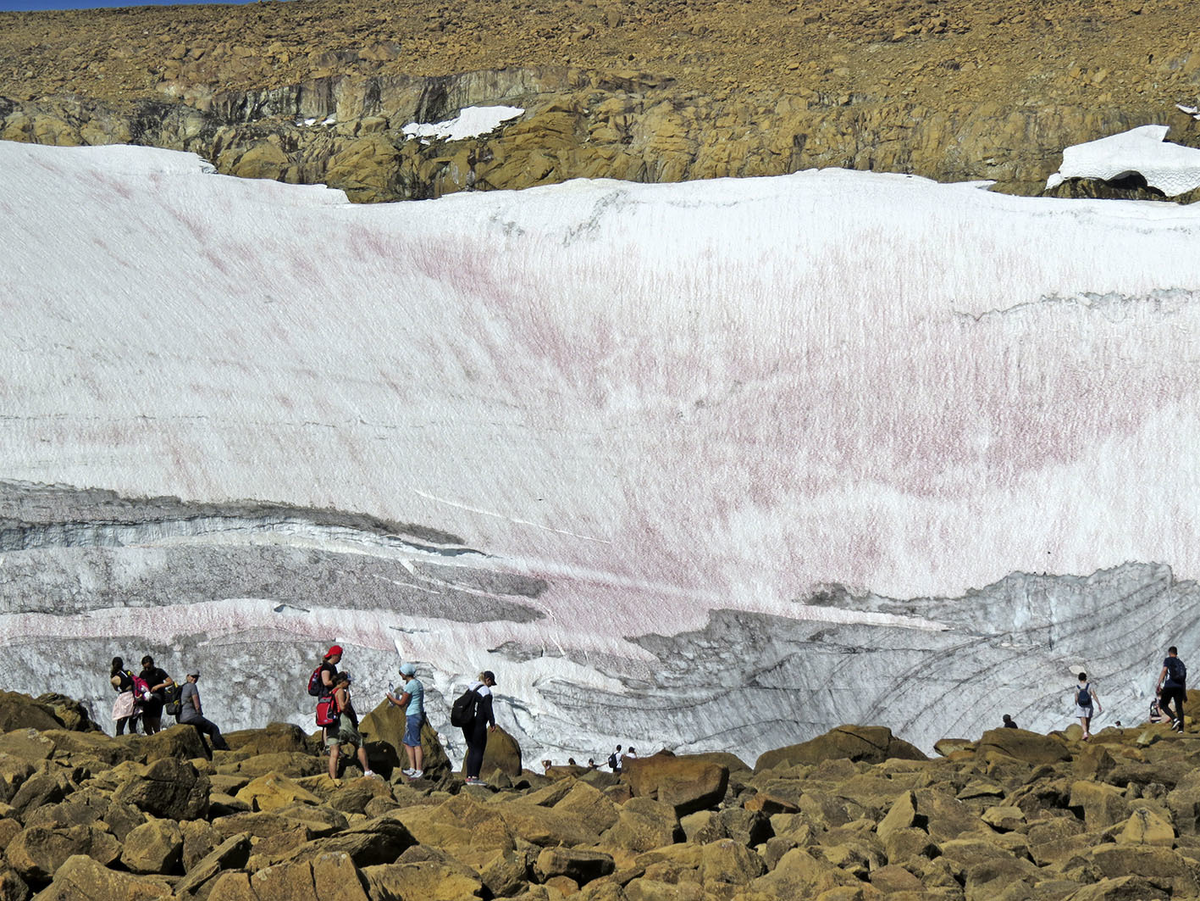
[{"x": 28, "y": 5}]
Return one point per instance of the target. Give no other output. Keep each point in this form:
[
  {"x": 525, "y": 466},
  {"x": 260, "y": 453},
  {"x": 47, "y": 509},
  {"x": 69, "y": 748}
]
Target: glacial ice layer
[{"x": 715, "y": 465}]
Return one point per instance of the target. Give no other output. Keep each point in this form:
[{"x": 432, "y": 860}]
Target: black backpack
[
  {"x": 1085, "y": 696},
  {"x": 1176, "y": 670},
  {"x": 462, "y": 711},
  {"x": 171, "y": 703}
]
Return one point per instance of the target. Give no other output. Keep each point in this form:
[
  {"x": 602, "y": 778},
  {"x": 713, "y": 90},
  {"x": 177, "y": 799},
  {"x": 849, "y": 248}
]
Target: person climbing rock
[{"x": 476, "y": 732}]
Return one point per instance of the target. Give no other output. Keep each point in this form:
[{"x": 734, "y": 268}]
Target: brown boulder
[
  {"x": 73, "y": 715},
  {"x": 180, "y": 742},
  {"x": 800, "y": 875},
  {"x": 153, "y": 847},
  {"x": 46, "y": 787},
  {"x": 276, "y": 738},
  {"x": 687, "y": 784},
  {"x": 873, "y": 744},
  {"x": 502, "y": 753},
  {"x": 168, "y": 788},
  {"x": 231, "y": 854},
  {"x": 367, "y": 843},
  {"x": 589, "y": 804},
  {"x": 81, "y": 877},
  {"x": 426, "y": 880},
  {"x": 643, "y": 824},
  {"x": 1030, "y": 747},
  {"x": 577, "y": 864},
  {"x": 293, "y": 764},
  {"x": 1102, "y": 805},
  {"x": 12, "y": 886},
  {"x": 273, "y": 791},
  {"x": 329, "y": 877},
  {"x": 19, "y": 711},
  {"x": 729, "y": 861},
  {"x": 37, "y": 852}
]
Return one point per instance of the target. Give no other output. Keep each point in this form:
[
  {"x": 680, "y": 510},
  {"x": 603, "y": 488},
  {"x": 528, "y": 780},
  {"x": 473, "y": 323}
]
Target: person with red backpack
[
  {"x": 322, "y": 683},
  {"x": 344, "y": 729}
]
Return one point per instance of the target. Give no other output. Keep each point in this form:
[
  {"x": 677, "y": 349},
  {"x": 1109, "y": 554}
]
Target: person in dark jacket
[
  {"x": 159, "y": 681},
  {"x": 1009, "y": 722},
  {"x": 476, "y": 732}
]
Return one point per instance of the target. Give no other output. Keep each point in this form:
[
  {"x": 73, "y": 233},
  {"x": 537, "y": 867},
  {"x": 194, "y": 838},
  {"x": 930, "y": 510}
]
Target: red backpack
[{"x": 327, "y": 709}]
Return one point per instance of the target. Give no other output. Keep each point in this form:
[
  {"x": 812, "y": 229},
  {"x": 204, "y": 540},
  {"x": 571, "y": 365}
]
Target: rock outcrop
[
  {"x": 853, "y": 814},
  {"x": 654, "y": 94}
]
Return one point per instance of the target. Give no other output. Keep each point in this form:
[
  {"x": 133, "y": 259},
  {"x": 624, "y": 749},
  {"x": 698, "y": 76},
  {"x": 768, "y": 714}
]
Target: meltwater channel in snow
[{"x": 706, "y": 465}]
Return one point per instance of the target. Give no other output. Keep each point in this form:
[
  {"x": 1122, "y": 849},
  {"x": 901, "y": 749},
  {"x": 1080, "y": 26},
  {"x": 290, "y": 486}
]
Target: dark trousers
[
  {"x": 476, "y": 736},
  {"x": 208, "y": 727},
  {"x": 1173, "y": 694}
]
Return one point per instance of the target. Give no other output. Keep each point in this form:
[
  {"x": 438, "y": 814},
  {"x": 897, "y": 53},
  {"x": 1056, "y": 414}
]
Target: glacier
[{"x": 716, "y": 465}]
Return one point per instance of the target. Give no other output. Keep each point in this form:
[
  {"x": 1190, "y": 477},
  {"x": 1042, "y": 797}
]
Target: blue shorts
[{"x": 412, "y": 730}]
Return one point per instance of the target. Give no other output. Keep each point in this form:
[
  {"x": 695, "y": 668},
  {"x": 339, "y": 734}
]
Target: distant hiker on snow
[
  {"x": 413, "y": 700},
  {"x": 345, "y": 729},
  {"x": 1172, "y": 682},
  {"x": 159, "y": 684},
  {"x": 1085, "y": 696},
  {"x": 473, "y": 712},
  {"x": 1009, "y": 722},
  {"x": 193, "y": 715}
]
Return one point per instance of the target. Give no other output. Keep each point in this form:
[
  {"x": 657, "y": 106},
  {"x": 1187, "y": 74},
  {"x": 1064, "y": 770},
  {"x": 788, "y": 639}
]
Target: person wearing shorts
[
  {"x": 412, "y": 699},
  {"x": 345, "y": 730},
  {"x": 1085, "y": 698}
]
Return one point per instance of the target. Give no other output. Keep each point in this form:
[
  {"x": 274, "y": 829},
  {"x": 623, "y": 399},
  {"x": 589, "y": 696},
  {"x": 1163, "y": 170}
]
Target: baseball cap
[
  {"x": 408, "y": 669},
  {"x": 489, "y": 676},
  {"x": 334, "y": 650},
  {"x": 195, "y": 675}
]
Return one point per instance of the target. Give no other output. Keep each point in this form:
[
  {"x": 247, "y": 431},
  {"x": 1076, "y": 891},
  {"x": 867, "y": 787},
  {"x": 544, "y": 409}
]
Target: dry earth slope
[{"x": 655, "y": 91}]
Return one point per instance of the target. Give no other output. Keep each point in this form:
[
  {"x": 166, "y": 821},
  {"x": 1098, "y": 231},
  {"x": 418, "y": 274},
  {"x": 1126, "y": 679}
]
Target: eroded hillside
[{"x": 658, "y": 91}]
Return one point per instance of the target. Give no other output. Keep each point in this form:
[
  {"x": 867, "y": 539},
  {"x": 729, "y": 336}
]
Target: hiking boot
[{"x": 416, "y": 774}]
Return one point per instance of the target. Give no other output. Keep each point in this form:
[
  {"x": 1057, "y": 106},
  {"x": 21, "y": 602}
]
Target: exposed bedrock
[
  {"x": 250, "y": 593},
  {"x": 347, "y": 131}
]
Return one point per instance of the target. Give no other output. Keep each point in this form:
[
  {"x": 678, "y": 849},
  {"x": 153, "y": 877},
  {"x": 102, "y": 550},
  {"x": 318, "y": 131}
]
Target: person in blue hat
[{"x": 412, "y": 699}]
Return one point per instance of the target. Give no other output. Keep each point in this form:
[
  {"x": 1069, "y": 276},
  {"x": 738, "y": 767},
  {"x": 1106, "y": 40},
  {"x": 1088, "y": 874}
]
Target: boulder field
[{"x": 856, "y": 813}]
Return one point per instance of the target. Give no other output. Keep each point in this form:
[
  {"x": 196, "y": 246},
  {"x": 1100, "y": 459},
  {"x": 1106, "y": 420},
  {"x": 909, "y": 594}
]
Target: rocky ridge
[
  {"x": 852, "y": 814},
  {"x": 315, "y": 91}
]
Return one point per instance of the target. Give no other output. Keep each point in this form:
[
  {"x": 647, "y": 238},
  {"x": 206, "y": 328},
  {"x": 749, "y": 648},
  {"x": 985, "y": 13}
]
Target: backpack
[
  {"x": 1085, "y": 696},
  {"x": 327, "y": 710},
  {"x": 316, "y": 687},
  {"x": 613, "y": 763},
  {"x": 1176, "y": 670},
  {"x": 141, "y": 689},
  {"x": 171, "y": 702},
  {"x": 462, "y": 711}
]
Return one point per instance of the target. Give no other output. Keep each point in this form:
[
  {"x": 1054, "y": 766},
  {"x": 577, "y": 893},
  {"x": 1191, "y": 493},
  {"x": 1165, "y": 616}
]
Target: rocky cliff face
[{"x": 320, "y": 93}]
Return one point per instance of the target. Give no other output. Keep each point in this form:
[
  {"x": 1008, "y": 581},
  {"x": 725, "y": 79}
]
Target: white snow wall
[{"x": 656, "y": 401}]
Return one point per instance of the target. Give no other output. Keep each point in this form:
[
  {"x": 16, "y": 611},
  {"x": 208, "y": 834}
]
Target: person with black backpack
[
  {"x": 1085, "y": 697},
  {"x": 1172, "y": 682},
  {"x": 161, "y": 685},
  {"x": 476, "y": 719}
]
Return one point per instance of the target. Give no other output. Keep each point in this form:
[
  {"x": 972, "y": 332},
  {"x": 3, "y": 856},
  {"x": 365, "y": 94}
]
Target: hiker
[
  {"x": 614, "y": 760},
  {"x": 1085, "y": 695},
  {"x": 475, "y": 732},
  {"x": 127, "y": 707},
  {"x": 413, "y": 700},
  {"x": 345, "y": 730},
  {"x": 158, "y": 681},
  {"x": 1009, "y": 722},
  {"x": 325, "y": 677},
  {"x": 1172, "y": 686},
  {"x": 1157, "y": 715},
  {"x": 193, "y": 715}
]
